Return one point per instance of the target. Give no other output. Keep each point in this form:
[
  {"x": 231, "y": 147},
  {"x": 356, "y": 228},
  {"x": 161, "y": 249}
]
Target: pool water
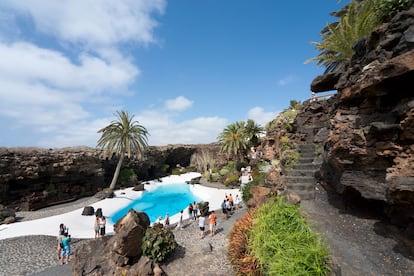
[{"x": 166, "y": 198}]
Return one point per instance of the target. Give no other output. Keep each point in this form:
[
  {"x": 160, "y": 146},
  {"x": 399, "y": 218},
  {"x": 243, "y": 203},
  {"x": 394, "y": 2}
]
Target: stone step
[
  {"x": 306, "y": 166},
  {"x": 306, "y": 148},
  {"x": 293, "y": 172},
  {"x": 300, "y": 186},
  {"x": 306, "y": 154},
  {"x": 304, "y": 160},
  {"x": 305, "y": 195},
  {"x": 300, "y": 179}
]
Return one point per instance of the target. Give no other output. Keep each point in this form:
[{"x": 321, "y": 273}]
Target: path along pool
[{"x": 155, "y": 202}]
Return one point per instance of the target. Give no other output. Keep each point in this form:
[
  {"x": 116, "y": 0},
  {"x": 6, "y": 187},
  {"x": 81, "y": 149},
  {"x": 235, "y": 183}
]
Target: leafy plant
[
  {"x": 158, "y": 243},
  {"x": 243, "y": 262},
  {"x": 165, "y": 168},
  {"x": 231, "y": 179},
  {"x": 284, "y": 244},
  {"x": 127, "y": 175},
  {"x": 290, "y": 158},
  {"x": 357, "y": 20}
]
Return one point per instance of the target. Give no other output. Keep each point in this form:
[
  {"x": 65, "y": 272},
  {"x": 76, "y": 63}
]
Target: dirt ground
[{"x": 360, "y": 241}]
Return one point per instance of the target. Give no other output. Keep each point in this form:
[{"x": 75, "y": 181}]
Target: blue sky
[{"x": 185, "y": 68}]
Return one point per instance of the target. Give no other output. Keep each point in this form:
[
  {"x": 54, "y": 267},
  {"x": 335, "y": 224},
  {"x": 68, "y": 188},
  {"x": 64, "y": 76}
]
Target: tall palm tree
[
  {"x": 233, "y": 140},
  {"x": 123, "y": 137},
  {"x": 253, "y": 132}
]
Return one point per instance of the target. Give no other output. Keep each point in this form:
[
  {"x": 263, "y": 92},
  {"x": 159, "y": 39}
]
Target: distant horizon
[{"x": 185, "y": 69}]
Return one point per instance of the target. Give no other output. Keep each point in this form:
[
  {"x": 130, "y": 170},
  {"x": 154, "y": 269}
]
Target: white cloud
[
  {"x": 178, "y": 104},
  {"x": 42, "y": 88},
  {"x": 261, "y": 117},
  {"x": 286, "y": 80},
  {"x": 163, "y": 129},
  {"x": 90, "y": 22}
]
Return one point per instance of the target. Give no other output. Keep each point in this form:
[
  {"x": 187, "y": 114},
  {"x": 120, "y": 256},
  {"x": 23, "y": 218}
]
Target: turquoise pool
[{"x": 166, "y": 198}]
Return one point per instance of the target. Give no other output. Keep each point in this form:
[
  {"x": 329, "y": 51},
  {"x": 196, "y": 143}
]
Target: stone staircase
[{"x": 300, "y": 179}]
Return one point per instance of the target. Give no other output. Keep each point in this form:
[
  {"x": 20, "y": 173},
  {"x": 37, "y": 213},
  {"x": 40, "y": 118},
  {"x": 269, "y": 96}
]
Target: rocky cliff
[
  {"x": 32, "y": 178},
  {"x": 369, "y": 150}
]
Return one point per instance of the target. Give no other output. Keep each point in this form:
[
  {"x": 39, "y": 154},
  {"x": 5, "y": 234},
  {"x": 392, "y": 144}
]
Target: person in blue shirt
[{"x": 65, "y": 241}]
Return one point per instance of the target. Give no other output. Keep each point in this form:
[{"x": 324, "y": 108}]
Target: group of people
[
  {"x": 63, "y": 244},
  {"x": 100, "y": 224},
  {"x": 229, "y": 205}
]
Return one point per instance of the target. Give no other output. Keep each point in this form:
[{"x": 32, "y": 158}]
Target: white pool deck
[{"x": 83, "y": 226}]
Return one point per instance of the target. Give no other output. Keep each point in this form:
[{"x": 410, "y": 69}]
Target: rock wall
[
  {"x": 32, "y": 178},
  {"x": 369, "y": 147}
]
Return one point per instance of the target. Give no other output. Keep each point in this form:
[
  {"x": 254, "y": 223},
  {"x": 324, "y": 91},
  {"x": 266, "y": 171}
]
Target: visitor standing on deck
[
  {"x": 96, "y": 227},
  {"x": 65, "y": 240},
  {"x": 102, "y": 225}
]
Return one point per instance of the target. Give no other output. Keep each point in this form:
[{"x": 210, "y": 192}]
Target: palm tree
[
  {"x": 253, "y": 132},
  {"x": 233, "y": 140},
  {"x": 357, "y": 19},
  {"x": 123, "y": 136}
]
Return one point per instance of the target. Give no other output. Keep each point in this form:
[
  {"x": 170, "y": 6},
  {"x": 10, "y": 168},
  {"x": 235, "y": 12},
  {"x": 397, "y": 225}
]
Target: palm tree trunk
[{"x": 116, "y": 174}]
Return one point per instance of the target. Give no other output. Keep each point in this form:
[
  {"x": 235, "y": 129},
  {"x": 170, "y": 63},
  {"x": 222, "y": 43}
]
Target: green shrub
[
  {"x": 243, "y": 262},
  {"x": 165, "y": 168},
  {"x": 127, "y": 175},
  {"x": 231, "y": 179},
  {"x": 284, "y": 244},
  {"x": 158, "y": 243},
  {"x": 290, "y": 158},
  {"x": 176, "y": 172},
  {"x": 224, "y": 171},
  {"x": 214, "y": 177}
]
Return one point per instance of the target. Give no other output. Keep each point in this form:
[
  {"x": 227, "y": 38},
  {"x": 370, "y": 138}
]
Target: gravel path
[
  {"x": 360, "y": 244},
  {"x": 358, "y": 241}
]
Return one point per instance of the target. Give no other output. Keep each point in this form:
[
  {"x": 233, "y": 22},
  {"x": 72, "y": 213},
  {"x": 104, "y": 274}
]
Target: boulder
[
  {"x": 139, "y": 187},
  {"x": 88, "y": 211},
  {"x": 114, "y": 255}
]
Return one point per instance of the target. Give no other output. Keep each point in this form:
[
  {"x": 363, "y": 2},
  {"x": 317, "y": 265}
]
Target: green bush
[
  {"x": 165, "y": 168},
  {"x": 158, "y": 243},
  {"x": 290, "y": 158},
  {"x": 224, "y": 171},
  {"x": 284, "y": 244},
  {"x": 231, "y": 179},
  {"x": 126, "y": 176}
]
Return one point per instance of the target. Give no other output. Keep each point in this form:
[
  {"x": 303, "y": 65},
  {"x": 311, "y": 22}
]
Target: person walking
[
  {"x": 213, "y": 222},
  {"x": 180, "y": 222},
  {"x": 201, "y": 225},
  {"x": 190, "y": 210}
]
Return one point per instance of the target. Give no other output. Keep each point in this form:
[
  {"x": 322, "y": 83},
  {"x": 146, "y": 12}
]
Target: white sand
[{"x": 83, "y": 226}]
